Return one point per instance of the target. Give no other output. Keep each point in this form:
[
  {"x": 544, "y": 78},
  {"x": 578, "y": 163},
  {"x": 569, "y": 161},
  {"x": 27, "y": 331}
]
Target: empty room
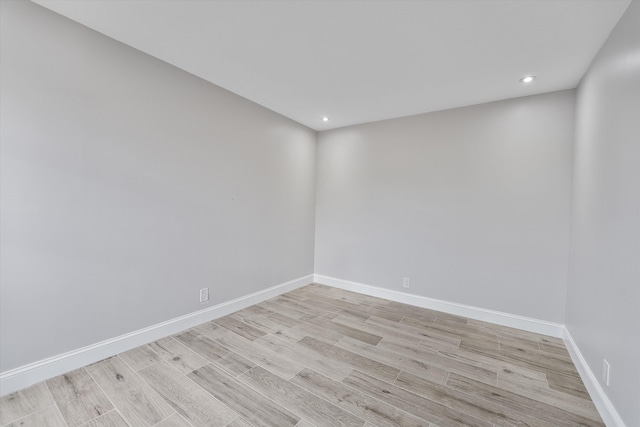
[{"x": 273, "y": 213}]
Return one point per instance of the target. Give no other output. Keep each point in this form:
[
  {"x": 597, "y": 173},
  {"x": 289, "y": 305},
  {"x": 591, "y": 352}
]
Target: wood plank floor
[{"x": 320, "y": 356}]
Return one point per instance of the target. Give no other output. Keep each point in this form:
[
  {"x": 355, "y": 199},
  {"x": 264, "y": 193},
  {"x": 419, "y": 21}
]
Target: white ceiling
[{"x": 362, "y": 61}]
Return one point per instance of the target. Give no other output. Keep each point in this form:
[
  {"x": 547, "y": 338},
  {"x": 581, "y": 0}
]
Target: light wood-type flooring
[{"x": 320, "y": 356}]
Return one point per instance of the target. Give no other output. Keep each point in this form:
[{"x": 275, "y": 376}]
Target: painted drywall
[
  {"x": 603, "y": 300},
  {"x": 471, "y": 204},
  {"x": 127, "y": 185}
]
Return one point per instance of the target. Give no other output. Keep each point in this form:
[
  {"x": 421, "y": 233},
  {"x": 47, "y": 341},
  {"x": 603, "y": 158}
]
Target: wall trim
[
  {"x": 477, "y": 313},
  {"x": 606, "y": 409},
  {"x": 27, "y": 375}
]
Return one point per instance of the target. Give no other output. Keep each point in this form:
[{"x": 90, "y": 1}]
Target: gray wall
[
  {"x": 603, "y": 301},
  {"x": 127, "y": 185},
  {"x": 472, "y": 204}
]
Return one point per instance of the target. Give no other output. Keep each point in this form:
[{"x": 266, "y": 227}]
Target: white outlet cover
[
  {"x": 606, "y": 368},
  {"x": 204, "y": 295}
]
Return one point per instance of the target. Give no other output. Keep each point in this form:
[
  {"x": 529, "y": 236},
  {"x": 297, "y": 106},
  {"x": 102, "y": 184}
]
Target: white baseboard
[
  {"x": 24, "y": 376},
  {"x": 497, "y": 317},
  {"x": 606, "y": 409}
]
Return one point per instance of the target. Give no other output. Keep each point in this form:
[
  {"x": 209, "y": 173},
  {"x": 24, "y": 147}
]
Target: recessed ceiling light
[
  {"x": 527, "y": 79},
  {"x": 325, "y": 119}
]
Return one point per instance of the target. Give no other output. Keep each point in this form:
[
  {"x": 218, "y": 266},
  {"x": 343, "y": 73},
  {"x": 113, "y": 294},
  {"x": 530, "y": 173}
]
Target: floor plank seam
[
  {"x": 268, "y": 397},
  {"x": 103, "y": 392},
  {"x": 54, "y": 402}
]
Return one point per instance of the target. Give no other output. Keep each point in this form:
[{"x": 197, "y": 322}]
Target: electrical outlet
[
  {"x": 606, "y": 368},
  {"x": 204, "y": 294},
  {"x": 406, "y": 282}
]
